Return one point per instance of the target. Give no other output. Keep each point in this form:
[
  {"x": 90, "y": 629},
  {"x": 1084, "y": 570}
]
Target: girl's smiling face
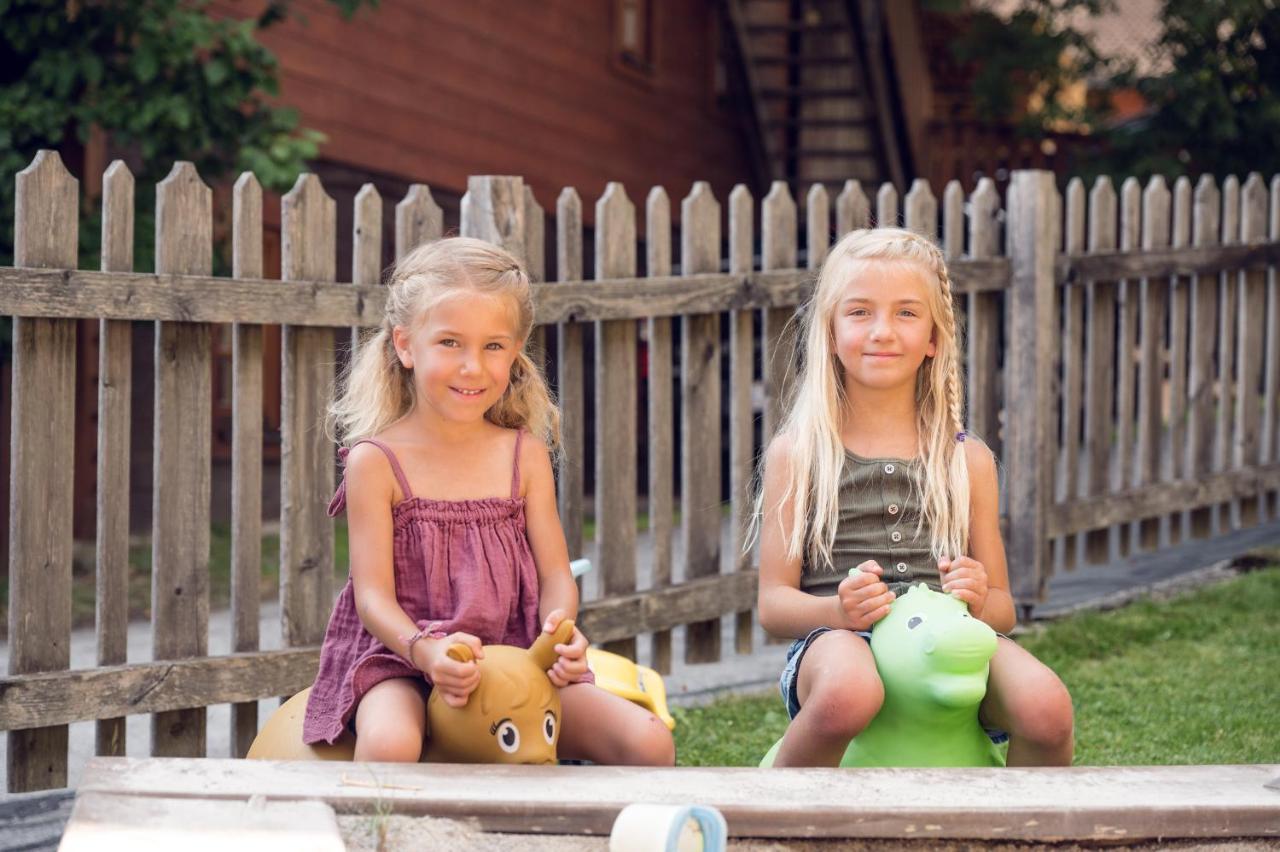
[
  {"x": 461, "y": 355},
  {"x": 882, "y": 326}
]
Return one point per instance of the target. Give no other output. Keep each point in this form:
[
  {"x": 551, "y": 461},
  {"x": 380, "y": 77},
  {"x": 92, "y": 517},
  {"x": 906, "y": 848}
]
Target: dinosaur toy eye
[
  {"x": 508, "y": 736},
  {"x": 915, "y": 621},
  {"x": 549, "y": 727}
]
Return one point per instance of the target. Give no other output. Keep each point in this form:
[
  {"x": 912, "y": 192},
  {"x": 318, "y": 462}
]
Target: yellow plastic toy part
[{"x": 638, "y": 684}]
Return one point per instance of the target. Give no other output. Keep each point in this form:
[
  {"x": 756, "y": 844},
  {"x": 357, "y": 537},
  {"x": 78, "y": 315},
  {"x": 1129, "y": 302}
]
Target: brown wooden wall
[{"x": 436, "y": 91}]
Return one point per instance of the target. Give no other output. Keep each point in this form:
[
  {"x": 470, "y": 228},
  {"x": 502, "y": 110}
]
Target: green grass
[{"x": 1195, "y": 679}]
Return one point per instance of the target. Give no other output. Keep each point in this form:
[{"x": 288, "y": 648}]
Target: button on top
[
  {"x": 902, "y": 567},
  {"x": 893, "y": 508},
  {"x": 888, "y": 468},
  {"x": 896, "y": 536}
]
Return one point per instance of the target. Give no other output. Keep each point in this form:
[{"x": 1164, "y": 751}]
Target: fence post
[
  {"x": 495, "y": 212},
  {"x": 1030, "y": 405}
]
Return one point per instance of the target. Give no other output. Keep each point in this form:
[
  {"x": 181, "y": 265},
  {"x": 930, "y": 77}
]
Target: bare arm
[
  {"x": 985, "y": 544},
  {"x": 557, "y": 590},
  {"x": 785, "y": 610}
]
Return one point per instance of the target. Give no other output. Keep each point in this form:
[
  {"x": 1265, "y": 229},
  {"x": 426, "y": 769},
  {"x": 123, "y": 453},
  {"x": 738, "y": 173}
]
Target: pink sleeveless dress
[{"x": 463, "y": 563}]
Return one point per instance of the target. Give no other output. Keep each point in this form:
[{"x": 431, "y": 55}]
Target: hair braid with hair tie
[{"x": 955, "y": 399}]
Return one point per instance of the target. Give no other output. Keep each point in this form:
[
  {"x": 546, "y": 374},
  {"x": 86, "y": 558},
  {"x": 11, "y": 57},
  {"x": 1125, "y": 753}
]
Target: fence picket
[
  {"x": 1151, "y": 358},
  {"x": 1249, "y": 351},
  {"x": 1099, "y": 358},
  {"x": 308, "y": 234},
  {"x": 418, "y": 220},
  {"x": 853, "y": 210},
  {"x": 700, "y": 415},
  {"x": 953, "y": 226},
  {"x": 984, "y": 322},
  {"x": 661, "y": 414},
  {"x": 887, "y": 206},
  {"x": 777, "y": 251},
  {"x": 366, "y": 247},
  {"x": 183, "y": 457},
  {"x": 115, "y": 391},
  {"x": 535, "y": 261},
  {"x": 1073, "y": 333},
  {"x": 615, "y": 414},
  {"x": 1179, "y": 313},
  {"x": 741, "y": 376},
  {"x": 1200, "y": 376},
  {"x": 922, "y": 209},
  {"x": 1271, "y": 401},
  {"x": 45, "y": 234},
  {"x": 246, "y": 451},
  {"x": 1126, "y": 344},
  {"x": 1227, "y": 514},
  {"x": 817, "y": 224},
  {"x": 569, "y": 375}
]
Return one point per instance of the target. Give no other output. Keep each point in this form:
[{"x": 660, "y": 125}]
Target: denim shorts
[{"x": 788, "y": 682}]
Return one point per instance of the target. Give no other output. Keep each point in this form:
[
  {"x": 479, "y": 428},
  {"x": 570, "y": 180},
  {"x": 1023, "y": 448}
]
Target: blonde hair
[
  {"x": 813, "y": 422},
  {"x": 378, "y": 390}
]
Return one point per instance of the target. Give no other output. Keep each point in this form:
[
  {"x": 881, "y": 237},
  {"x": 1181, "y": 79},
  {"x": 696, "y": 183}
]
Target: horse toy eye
[
  {"x": 915, "y": 621},
  {"x": 508, "y": 736}
]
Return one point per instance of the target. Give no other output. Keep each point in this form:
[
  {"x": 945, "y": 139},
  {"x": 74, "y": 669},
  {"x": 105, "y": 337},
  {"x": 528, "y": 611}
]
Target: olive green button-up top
[{"x": 879, "y": 511}]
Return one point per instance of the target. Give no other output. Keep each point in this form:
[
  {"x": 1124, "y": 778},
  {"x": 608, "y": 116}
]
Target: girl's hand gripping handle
[{"x": 862, "y": 597}]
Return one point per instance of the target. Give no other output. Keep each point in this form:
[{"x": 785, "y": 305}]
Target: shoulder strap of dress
[
  {"x": 515, "y": 467},
  {"x": 339, "y": 501}
]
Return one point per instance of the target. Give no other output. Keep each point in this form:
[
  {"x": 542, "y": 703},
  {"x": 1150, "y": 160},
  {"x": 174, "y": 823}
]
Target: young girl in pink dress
[{"x": 447, "y": 429}]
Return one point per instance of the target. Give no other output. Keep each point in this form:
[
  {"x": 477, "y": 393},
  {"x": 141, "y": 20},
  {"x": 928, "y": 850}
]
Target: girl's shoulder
[{"x": 978, "y": 456}]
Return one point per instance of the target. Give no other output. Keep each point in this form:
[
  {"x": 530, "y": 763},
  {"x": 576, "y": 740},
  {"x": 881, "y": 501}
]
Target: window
[{"x": 633, "y": 35}]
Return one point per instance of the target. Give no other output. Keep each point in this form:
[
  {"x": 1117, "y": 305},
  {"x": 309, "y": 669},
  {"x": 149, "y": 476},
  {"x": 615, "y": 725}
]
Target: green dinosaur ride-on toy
[{"x": 933, "y": 659}]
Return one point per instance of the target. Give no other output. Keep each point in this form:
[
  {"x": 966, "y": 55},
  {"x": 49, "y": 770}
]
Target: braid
[{"x": 955, "y": 399}]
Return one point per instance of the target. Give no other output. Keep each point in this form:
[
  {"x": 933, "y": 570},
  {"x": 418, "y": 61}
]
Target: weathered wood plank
[
  {"x": 246, "y": 436},
  {"x": 308, "y": 224},
  {"x": 1156, "y": 202},
  {"x": 1073, "y": 336},
  {"x": 59, "y": 697},
  {"x": 817, "y": 227},
  {"x": 922, "y": 208},
  {"x": 1204, "y": 324},
  {"x": 115, "y": 393},
  {"x": 1229, "y": 304},
  {"x": 615, "y": 415},
  {"x": 154, "y": 687},
  {"x": 1249, "y": 351},
  {"x": 569, "y": 375},
  {"x": 418, "y": 220},
  {"x": 887, "y": 206},
  {"x": 1271, "y": 395},
  {"x": 1163, "y": 498},
  {"x": 777, "y": 251},
  {"x": 535, "y": 262},
  {"x": 182, "y": 457},
  {"x": 700, "y": 415},
  {"x": 661, "y": 415},
  {"x": 1099, "y": 357},
  {"x": 1032, "y": 309},
  {"x": 45, "y": 234},
  {"x": 1126, "y": 345},
  {"x": 741, "y": 376},
  {"x": 107, "y": 821},
  {"x": 1167, "y": 262},
  {"x": 953, "y": 224},
  {"x": 1102, "y": 804},
  {"x": 366, "y": 247},
  {"x": 983, "y": 316},
  {"x": 853, "y": 210},
  {"x": 1179, "y": 314},
  {"x": 142, "y": 296}
]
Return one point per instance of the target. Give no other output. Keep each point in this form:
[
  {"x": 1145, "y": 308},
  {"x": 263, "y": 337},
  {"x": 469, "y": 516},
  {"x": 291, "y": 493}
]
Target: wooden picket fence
[{"x": 1127, "y": 379}]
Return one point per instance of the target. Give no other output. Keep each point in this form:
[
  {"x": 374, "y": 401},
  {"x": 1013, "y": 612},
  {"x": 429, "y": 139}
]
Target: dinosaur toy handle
[{"x": 543, "y": 649}]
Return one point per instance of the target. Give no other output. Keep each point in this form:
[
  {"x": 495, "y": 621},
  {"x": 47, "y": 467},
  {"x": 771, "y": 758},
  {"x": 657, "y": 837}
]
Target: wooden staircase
[{"x": 820, "y": 90}]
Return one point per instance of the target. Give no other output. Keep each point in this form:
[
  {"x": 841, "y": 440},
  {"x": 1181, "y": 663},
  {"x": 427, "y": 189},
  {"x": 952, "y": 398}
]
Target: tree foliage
[{"x": 163, "y": 78}]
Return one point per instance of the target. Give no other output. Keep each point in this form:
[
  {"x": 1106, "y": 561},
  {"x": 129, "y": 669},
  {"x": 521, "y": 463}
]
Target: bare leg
[
  {"x": 1025, "y": 698},
  {"x": 608, "y": 729},
  {"x": 840, "y": 693},
  {"x": 391, "y": 721}
]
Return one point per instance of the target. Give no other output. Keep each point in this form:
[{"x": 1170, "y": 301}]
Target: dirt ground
[{"x": 402, "y": 834}]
